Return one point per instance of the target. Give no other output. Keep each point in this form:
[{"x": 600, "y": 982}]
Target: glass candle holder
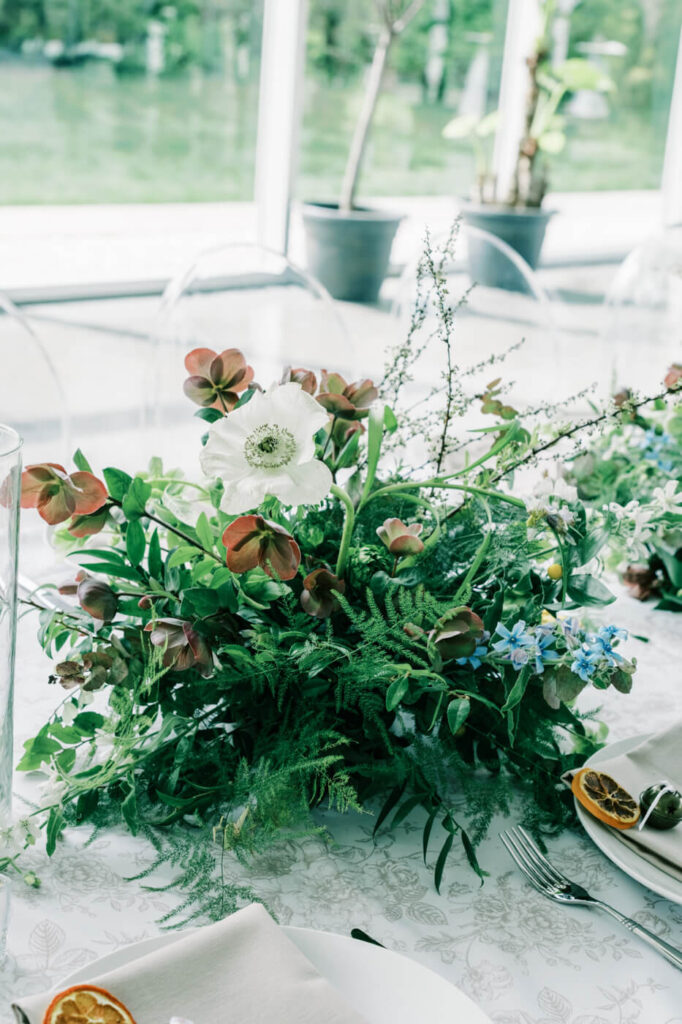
[{"x": 10, "y": 494}]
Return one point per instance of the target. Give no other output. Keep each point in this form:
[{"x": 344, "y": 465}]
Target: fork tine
[
  {"x": 533, "y": 851},
  {"x": 523, "y": 865}
]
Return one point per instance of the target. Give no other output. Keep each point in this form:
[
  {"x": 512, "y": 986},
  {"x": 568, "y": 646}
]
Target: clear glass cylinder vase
[{"x": 10, "y": 494}]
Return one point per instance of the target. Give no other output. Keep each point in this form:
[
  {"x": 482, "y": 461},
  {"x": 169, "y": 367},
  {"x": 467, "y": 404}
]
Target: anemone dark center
[{"x": 269, "y": 446}]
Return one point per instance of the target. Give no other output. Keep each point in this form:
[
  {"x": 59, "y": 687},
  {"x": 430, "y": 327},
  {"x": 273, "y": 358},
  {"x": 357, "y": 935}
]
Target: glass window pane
[
  {"x": 618, "y": 141},
  {"x": 108, "y": 101},
  {"x": 447, "y": 61}
]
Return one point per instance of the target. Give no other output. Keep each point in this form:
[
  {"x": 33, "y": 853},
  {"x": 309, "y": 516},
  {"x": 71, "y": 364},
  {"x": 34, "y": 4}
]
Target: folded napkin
[
  {"x": 654, "y": 760},
  {"x": 243, "y": 970}
]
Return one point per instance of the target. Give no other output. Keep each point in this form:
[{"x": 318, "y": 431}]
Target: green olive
[{"x": 668, "y": 811}]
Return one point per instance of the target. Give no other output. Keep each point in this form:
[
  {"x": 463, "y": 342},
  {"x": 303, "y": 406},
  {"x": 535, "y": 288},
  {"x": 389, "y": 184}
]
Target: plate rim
[
  {"x": 657, "y": 881},
  {"x": 154, "y": 942}
]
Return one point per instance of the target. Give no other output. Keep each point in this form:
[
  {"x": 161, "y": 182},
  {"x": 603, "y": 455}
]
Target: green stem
[
  {"x": 349, "y": 522},
  {"x": 440, "y": 482},
  {"x": 464, "y": 589}
]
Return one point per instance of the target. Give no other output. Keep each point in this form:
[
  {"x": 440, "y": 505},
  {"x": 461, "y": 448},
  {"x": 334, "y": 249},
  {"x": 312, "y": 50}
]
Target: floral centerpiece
[{"x": 315, "y": 623}]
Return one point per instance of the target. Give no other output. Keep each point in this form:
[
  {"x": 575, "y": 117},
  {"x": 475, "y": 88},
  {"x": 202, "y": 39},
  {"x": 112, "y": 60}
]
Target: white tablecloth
[{"x": 523, "y": 959}]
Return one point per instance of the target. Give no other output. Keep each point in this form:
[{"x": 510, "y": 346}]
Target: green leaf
[
  {"x": 135, "y": 501},
  {"x": 390, "y": 420},
  {"x": 204, "y": 532},
  {"x": 348, "y": 454},
  {"x": 38, "y": 751},
  {"x": 396, "y": 692},
  {"x": 65, "y": 733},
  {"x": 136, "y": 542},
  {"x": 66, "y": 759},
  {"x": 427, "y": 831},
  {"x": 391, "y": 801},
  {"x": 375, "y": 434},
  {"x": 458, "y": 712},
  {"x": 122, "y": 572},
  {"x": 55, "y": 827},
  {"x": 518, "y": 689},
  {"x": 87, "y": 722},
  {"x": 154, "y": 559},
  {"x": 472, "y": 858},
  {"x": 592, "y": 544},
  {"x": 129, "y": 808},
  {"x": 117, "y": 482},
  {"x": 209, "y": 415},
  {"x": 183, "y": 554},
  {"x": 585, "y": 590},
  {"x": 81, "y": 462},
  {"x": 442, "y": 857}
]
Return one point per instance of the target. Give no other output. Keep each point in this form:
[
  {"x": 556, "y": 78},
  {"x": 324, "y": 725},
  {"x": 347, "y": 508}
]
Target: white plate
[
  {"x": 380, "y": 985},
  {"x": 622, "y": 854}
]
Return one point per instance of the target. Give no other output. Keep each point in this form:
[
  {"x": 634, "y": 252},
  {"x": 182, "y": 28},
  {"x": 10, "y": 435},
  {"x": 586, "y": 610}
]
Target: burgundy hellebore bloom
[
  {"x": 306, "y": 378},
  {"x": 57, "y": 495},
  {"x": 457, "y": 633},
  {"x": 401, "y": 539},
  {"x": 318, "y": 595},
  {"x": 349, "y": 401},
  {"x": 254, "y": 541},
  {"x": 97, "y": 598},
  {"x": 183, "y": 647},
  {"x": 673, "y": 377},
  {"x": 216, "y": 379}
]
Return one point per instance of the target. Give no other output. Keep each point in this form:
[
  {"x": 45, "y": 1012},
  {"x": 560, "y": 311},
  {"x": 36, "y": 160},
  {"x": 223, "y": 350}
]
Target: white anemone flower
[{"x": 266, "y": 447}]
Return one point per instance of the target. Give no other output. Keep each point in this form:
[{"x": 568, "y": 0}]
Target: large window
[{"x": 108, "y": 101}]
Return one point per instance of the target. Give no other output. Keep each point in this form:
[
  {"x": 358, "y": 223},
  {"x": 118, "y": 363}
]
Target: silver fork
[{"x": 550, "y": 882}]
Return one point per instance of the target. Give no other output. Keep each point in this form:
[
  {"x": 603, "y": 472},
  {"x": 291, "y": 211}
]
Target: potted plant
[
  {"x": 348, "y": 247},
  {"x": 519, "y": 218}
]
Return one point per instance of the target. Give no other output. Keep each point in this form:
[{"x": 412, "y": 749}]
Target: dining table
[{"x": 520, "y": 957}]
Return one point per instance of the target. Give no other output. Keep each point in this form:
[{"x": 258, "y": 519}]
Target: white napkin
[
  {"x": 243, "y": 970},
  {"x": 654, "y": 760}
]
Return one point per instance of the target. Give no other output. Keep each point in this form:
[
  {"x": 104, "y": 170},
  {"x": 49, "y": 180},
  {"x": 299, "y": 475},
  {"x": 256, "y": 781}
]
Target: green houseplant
[
  {"x": 519, "y": 218},
  {"x": 348, "y": 246}
]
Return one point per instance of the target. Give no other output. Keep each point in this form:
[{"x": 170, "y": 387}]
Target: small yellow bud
[{"x": 555, "y": 572}]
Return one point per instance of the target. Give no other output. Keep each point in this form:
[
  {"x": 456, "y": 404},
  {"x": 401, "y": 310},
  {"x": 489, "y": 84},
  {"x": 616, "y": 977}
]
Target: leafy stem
[{"x": 349, "y": 522}]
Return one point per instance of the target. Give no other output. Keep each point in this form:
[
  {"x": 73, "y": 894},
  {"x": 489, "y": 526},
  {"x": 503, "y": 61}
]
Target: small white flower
[
  {"x": 85, "y": 697},
  {"x": 555, "y": 487},
  {"x": 266, "y": 447},
  {"x": 53, "y": 790},
  {"x": 69, "y": 712},
  {"x": 667, "y": 499}
]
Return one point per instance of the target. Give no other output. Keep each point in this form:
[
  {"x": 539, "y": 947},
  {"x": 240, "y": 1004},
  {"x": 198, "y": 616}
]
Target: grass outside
[{"x": 85, "y": 135}]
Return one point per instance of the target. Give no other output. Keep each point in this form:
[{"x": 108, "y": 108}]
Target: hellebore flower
[
  {"x": 457, "y": 634},
  {"x": 267, "y": 447},
  {"x": 58, "y": 495},
  {"x": 216, "y": 379},
  {"x": 318, "y": 595},
  {"x": 673, "y": 377},
  {"x": 88, "y": 525},
  {"x": 252, "y": 541},
  {"x": 97, "y": 598},
  {"x": 401, "y": 539},
  {"x": 349, "y": 401},
  {"x": 183, "y": 647},
  {"x": 306, "y": 378}
]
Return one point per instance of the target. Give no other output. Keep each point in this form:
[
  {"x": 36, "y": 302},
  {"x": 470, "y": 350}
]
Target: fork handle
[{"x": 671, "y": 954}]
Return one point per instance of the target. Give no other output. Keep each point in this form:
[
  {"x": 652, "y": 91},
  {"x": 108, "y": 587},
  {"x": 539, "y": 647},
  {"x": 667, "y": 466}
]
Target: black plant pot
[
  {"x": 522, "y": 229},
  {"x": 349, "y": 252}
]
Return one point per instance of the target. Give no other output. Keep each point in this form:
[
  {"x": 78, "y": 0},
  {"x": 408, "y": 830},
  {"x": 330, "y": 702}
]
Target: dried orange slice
[
  {"x": 605, "y": 799},
  {"x": 86, "y": 1004}
]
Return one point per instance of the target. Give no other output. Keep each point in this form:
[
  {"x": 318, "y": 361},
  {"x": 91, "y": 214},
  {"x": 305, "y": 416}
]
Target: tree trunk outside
[{"x": 357, "y": 149}]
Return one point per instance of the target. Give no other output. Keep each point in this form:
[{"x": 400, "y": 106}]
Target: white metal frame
[
  {"x": 279, "y": 117},
  {"x": 671, "y": 182},
  {"x": 524, "y": 23}
]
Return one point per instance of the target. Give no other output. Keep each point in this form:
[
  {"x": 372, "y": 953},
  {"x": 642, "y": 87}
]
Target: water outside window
[{"x": 140, "y": 102}]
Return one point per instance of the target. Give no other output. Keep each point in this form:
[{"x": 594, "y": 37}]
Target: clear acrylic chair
[{"x": 237, "y": 296}]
